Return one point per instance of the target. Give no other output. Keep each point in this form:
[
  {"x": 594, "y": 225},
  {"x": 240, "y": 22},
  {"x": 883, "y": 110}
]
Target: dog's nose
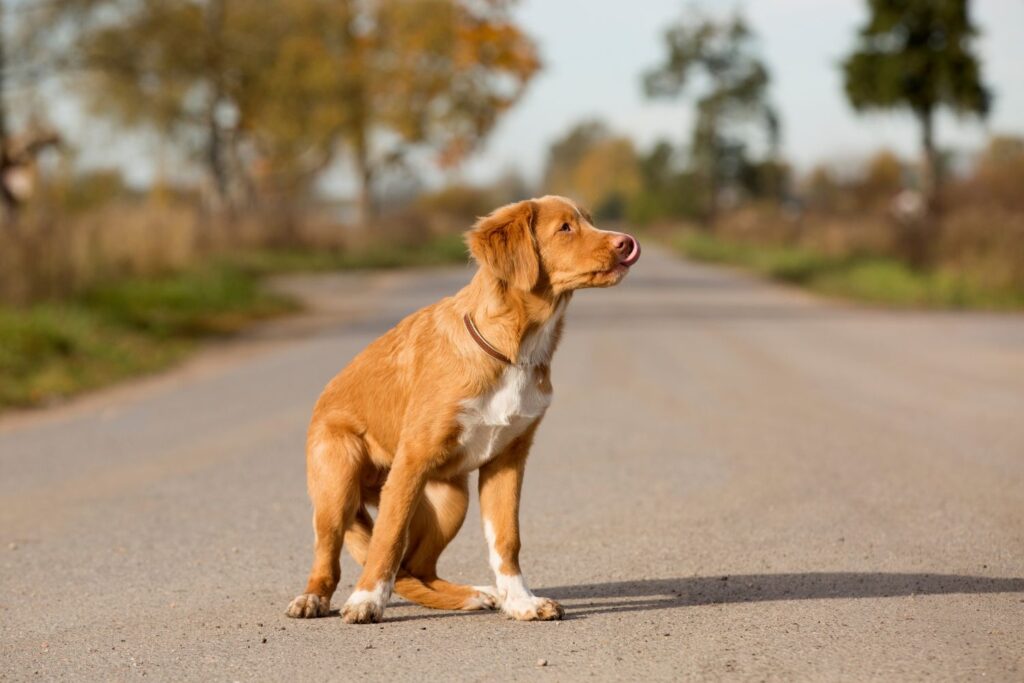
[{"x": 627, "y": 248}]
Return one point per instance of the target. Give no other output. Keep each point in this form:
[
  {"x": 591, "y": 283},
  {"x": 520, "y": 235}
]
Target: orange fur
[{"x": 391, "y": 430}]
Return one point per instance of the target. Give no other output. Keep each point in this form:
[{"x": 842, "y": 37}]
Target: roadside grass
[
  {"x": 860, "y": 277},
  {"x": 53, "y": 350}
]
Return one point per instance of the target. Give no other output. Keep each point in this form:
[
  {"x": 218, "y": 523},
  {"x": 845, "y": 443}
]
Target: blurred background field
[{"x": 158, "y": 158}]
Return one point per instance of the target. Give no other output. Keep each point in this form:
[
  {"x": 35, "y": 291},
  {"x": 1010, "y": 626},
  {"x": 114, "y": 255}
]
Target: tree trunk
[
  {"x": 215, "y": 158},
  {"x": 7, "y": 198},
  {"x": 215, "y": 153},
  {"x": 713, "y": 187},
  {"x": 366, "y": 211},
  {"x": 918, "y": 236},
  {"x": 364, "y": 166},
  {"x": 708, "y": 158},
  {"x": 930, "y": 173}
]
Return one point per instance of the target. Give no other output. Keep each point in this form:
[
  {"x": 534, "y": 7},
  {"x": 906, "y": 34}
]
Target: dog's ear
[{"x": 504, "y": 243}]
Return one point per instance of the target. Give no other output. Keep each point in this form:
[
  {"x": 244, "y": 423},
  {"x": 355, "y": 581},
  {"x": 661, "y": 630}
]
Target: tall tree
[
  {"x": 722, "y": 56},
  {"x": 390, "y": 76},
  {"x": 281, "y": 88},
  {"x": 182, "y": 68},
  {"x": 918, "y": 55}
]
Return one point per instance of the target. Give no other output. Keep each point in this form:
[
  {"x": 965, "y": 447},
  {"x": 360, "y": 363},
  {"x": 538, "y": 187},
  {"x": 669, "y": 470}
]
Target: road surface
[{"x": 735, "y": 481}]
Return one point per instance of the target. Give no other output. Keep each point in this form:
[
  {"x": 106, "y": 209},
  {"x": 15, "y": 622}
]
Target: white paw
[
  {"x": 366, "y": 607},
  {"x": 308, "y": 606},
  {"x": 486, "y": 598},
  {"x": 532, "y": 609},
  {"x": 364, "y": 612}
]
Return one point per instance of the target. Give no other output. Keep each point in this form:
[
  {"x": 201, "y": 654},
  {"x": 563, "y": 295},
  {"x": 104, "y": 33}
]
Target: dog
[{"x": 458, "y": 386}]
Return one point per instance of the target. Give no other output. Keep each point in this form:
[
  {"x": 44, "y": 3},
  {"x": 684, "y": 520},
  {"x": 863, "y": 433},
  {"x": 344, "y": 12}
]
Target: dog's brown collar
[{"x": 483, "y": 343}]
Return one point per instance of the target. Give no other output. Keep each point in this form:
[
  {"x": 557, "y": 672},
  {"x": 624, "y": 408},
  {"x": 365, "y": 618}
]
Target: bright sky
[{"x": 595, "y": 50}]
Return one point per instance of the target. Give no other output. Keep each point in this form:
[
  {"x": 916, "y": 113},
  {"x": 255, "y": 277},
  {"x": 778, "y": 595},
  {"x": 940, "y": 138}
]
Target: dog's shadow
[
  {"x": 584, "y": 600},
  {"x": 652, "y": 594}
]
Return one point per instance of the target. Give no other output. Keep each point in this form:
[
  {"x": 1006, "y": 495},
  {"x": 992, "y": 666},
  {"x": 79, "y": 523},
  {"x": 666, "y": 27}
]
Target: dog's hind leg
[
  {"x": 438, "y": 519},
  {"x": 432, "y": 592},
  {"x": 334, "y": 457},
  {"x": 358, "y": 534}
]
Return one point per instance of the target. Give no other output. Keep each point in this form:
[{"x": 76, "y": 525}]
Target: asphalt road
[{"x": 735, "y": 481}]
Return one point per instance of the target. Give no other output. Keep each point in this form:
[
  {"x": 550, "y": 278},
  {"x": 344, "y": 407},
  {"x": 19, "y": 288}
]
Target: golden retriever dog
[{"x": 460, "y": 385}]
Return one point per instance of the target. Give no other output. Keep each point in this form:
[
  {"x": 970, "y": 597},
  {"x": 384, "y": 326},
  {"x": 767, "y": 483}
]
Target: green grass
[
  {"x": 867, "y": 278},
  {"x": 53, "y": 350},
  {"x": 218, "y": 299}
]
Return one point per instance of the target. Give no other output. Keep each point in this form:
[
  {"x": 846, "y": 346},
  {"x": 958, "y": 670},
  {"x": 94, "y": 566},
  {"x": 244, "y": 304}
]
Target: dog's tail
[
  {"x": 439, "y": 594},
  {"x": 434, "y": 593}
]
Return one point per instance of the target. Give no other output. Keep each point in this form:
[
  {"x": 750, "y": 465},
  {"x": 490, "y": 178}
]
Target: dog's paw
[
  {"x": 309, "y": 606},
  {"x": 365, "y": 612},
  {"x": 532, "y": 609},
  {"x": 486, "y": 597},
  {"x": 364, "y": 607}
]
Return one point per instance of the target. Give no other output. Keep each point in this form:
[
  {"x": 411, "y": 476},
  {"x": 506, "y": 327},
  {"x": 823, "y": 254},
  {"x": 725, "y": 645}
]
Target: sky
[{"x": 594, "y": 52}]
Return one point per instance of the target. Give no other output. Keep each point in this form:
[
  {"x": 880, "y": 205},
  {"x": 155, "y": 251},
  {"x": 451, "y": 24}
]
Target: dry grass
[
  {"x": 983, "y": 242},
  {"x": 977, "y": 255},
  {"x": 987, "y": 242},
  {"x": 46, "y": 256}
]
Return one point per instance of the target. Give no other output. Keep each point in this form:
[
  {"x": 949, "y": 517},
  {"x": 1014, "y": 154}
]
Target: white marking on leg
[
  {"x": 492, "y": 551},
  {"x": 380, "y": 594},
  {"x": 517, "y": 601}
]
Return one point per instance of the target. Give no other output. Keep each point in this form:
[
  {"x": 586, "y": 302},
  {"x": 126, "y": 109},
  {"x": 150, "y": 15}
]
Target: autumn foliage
[{"x": 267, "y": 95}]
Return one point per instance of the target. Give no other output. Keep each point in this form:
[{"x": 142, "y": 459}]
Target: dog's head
[{"x": 550, "y": 243}]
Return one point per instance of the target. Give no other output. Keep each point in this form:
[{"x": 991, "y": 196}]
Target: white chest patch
[{"x": 491, "y": 422}]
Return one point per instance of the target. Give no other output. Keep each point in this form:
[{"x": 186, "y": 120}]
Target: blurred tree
[
  {"x": 511, "y": 186},
  {"x": 823, "y": 189},
  {"x": 882, "y": 178},
  {"x": 999, "y": 173},
  {"x": 566, "y": 153},
  {"x": 388, "y": 76},
  {"x": 667, "y": 191},
  {"x": 608, "y": 177},
  {"x": 459, "y": 203},
  {"x": 723, "y": 55},
  {"x": 182, "y": 68},
  {"x": 278, "y": 88},
  {"x": 917, "y": 55},
  {"x": 766, "y": 178},
  {"x": 596, "y": 167}
]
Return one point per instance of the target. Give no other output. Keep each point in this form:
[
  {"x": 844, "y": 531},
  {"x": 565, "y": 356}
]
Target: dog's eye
[{"x": 565, "y": 228}]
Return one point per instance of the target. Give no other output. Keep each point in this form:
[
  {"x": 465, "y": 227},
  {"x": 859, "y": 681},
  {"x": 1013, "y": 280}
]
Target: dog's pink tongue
[{"x": 634, "y": 255}]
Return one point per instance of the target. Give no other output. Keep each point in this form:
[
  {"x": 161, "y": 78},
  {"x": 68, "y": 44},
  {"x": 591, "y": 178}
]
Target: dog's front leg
[
  {"x": 398, "y": 498},
  {"x": 501, "y": 482}
]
